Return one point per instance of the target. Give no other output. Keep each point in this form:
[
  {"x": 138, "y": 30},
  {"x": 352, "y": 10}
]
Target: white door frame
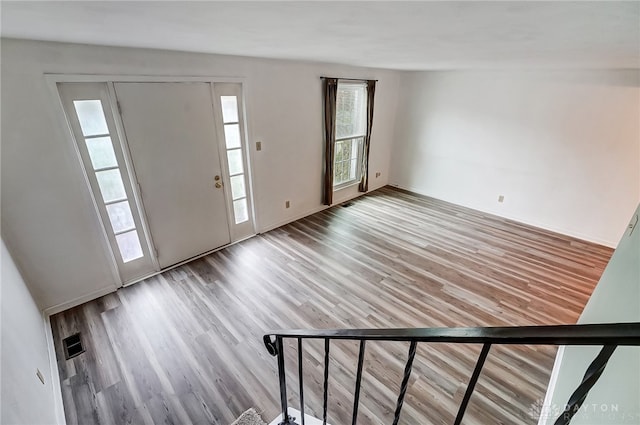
[
  {"x": 246, "y": 229},
  {"x": 53, "y": 79}
]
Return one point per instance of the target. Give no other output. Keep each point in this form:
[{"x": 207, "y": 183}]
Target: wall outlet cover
[{"x": 40, "y": 376}]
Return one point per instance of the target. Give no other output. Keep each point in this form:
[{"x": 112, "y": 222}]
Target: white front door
[{"x": 171, "y": 135}]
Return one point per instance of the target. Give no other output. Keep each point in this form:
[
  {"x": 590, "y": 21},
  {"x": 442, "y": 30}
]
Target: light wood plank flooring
[{"x": 185, "y": 347}]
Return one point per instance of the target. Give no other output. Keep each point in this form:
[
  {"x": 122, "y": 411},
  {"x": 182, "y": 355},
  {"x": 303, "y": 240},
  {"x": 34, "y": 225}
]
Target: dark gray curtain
[
  {"x": 364, "y": 180},
  {"x": 330, "y": 99}
]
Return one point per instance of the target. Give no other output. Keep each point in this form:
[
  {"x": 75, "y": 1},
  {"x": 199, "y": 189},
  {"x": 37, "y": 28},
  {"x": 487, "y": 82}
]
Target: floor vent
[
  {"x": 347, "y": 204},
  {"x": 72, "y": 346}
]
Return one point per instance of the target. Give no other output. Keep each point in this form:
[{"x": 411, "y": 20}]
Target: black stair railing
[{"x": 608, "y": 336}]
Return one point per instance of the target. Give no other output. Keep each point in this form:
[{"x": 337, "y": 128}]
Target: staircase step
[{"x": 294, "y": 413}]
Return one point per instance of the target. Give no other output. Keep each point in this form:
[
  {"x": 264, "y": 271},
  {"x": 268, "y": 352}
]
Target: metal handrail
[{"x": 607, "y": 335}]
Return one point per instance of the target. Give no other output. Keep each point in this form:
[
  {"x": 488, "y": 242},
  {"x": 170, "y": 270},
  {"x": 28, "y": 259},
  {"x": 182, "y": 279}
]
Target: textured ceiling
[{"x": 395, "y": 35}]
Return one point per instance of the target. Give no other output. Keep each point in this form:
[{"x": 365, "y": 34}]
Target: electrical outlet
[
  {"x": 258, "y": 145},
  {"x": 501, "y": 198},
  {"x": 378, "y": 174},
  {"x": 633, "y": 224},
  {"x": 40, "y": 376},
  {"x": 287, "y": 204}
]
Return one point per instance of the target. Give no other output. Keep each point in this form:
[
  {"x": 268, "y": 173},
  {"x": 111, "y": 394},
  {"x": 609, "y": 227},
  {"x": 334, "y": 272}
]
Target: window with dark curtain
[{"x": 348, "y": 120}]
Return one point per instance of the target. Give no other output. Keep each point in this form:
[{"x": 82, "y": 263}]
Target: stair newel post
[
  {"x": 277, "y": 349},
  {"x": 283, "y": 382}
]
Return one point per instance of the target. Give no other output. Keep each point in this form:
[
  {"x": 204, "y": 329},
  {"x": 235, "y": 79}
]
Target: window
[
  {"x": 235, "y": 161},
  {"x": 105, "y": 165},
  {"x": 351, "y": 128}
]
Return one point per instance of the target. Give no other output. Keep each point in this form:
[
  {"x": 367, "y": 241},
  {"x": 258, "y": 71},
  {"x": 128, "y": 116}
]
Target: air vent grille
[{"x": 72, "y": 346}]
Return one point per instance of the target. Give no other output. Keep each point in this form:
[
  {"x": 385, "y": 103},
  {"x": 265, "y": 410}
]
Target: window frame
[
  {"x": 356, "y": 137},
  {"x": 360, "y": 141}
]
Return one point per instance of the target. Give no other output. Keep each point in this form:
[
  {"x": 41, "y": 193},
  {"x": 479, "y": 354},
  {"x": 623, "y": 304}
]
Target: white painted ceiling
[{"x": 396, "y": 35}]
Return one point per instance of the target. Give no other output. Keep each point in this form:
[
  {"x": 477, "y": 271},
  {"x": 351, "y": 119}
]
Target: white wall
[
  {"x": 615, "y": 299},
  {"x": 24, "y": 399},
  {"x": 562, "y": 147},
  {"x": 47, "y": 215}
]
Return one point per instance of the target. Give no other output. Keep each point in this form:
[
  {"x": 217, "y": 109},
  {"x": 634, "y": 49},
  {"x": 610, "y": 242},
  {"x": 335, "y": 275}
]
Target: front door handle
[{"x": 218, "y": 185}]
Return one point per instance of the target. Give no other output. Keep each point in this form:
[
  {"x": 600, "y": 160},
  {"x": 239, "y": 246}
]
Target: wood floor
[{"x": 185, "y": 347}]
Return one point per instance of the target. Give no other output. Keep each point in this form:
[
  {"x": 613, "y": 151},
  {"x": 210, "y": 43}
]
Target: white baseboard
[
  {"x": 548, "y": 398},
  {"x": 49, "y": 311},
  {"x": 54, "y": 375},
  {"x": 528, "y": 222},
  {"x": 294, "y": 413},
  {"x": 312, "y": 211},
  {"x": 272, "y": 226}
]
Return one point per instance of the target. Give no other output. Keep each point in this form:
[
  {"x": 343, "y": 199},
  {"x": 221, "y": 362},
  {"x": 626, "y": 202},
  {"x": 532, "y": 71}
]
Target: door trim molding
[{"x": 119, "y": 78}]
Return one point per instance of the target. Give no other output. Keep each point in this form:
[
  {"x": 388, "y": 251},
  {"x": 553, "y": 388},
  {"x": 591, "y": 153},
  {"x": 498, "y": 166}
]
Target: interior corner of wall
[
  {"x": 54, "y": 377},
  {"x": 65, "y": 305}
]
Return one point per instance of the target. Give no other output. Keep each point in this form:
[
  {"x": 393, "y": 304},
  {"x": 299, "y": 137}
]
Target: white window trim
[{"x": 358, "y": 177}]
